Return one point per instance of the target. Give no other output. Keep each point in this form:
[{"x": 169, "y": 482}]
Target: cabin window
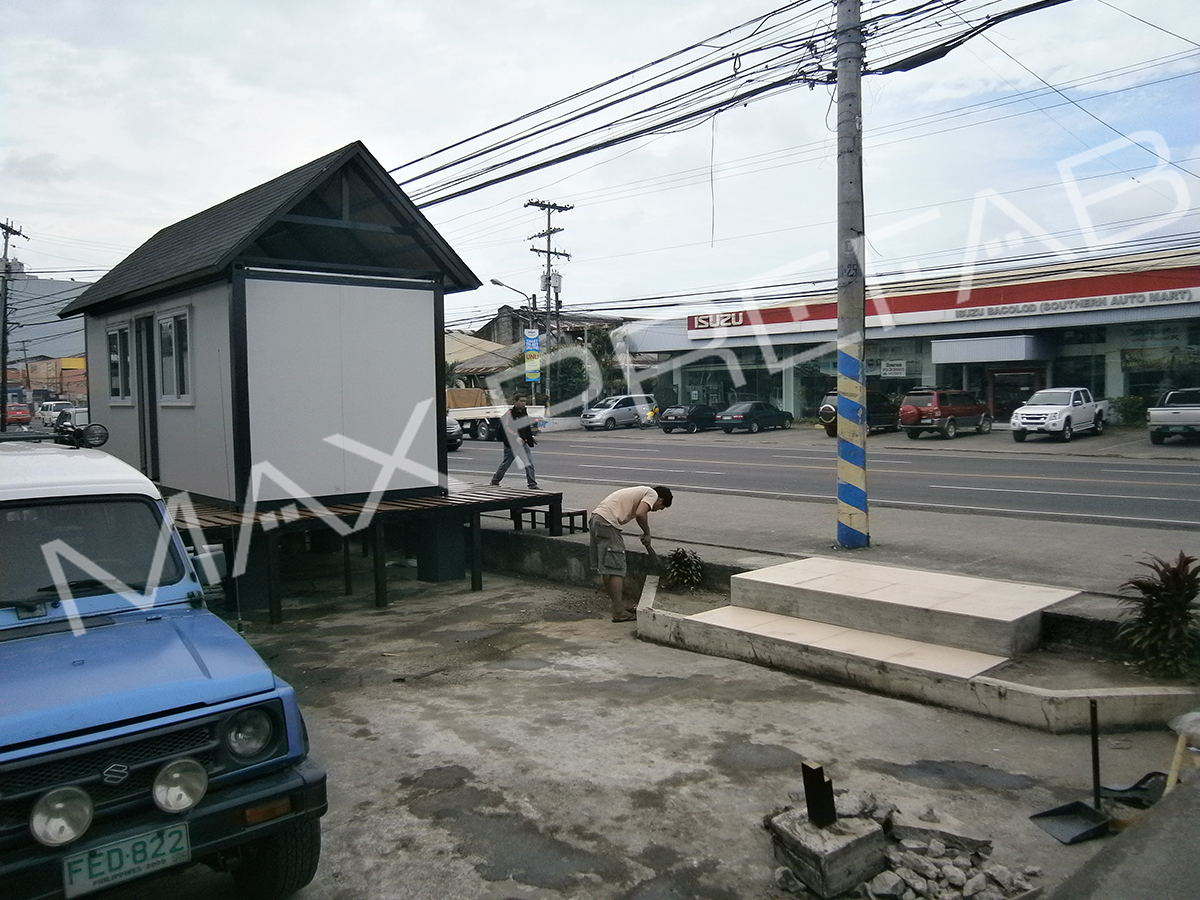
[
  {"x": 174, "y": 360},
  {"x": 118, "y": 364}
]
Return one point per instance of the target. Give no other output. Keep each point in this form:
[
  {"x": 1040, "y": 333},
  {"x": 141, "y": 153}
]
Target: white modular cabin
[{"x": 283, "y": 345}]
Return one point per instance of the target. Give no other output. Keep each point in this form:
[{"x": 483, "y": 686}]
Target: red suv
[{"x": 943, "y": 410}]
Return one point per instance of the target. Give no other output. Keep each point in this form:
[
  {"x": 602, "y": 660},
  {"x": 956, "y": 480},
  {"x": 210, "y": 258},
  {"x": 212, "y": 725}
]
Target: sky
[{"x": 1072, "y": 130}]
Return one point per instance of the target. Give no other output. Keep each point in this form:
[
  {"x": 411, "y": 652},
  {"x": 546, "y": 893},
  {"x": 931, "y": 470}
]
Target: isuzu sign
[{"x": 716, "y": 320}]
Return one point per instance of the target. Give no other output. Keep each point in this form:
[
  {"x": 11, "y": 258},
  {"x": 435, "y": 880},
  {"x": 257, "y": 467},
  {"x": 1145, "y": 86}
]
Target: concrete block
[{"x": 832, "y": 860}]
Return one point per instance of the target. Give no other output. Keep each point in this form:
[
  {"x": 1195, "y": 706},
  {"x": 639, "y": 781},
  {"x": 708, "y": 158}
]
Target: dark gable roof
[{"x": 299, "y": 219}]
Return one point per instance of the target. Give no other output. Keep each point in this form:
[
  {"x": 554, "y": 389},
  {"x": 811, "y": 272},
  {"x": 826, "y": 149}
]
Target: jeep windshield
[{"x": 85, "y": 547}]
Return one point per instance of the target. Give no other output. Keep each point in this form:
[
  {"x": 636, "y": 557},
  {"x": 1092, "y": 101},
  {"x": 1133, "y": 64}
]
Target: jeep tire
[
  {"x": 1019, "y": 435},
  {"x": 278, "y": 865}
]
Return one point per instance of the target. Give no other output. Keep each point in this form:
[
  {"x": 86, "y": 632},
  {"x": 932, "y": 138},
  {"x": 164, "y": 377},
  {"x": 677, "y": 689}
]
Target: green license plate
[{"x": 123, "y": 860}]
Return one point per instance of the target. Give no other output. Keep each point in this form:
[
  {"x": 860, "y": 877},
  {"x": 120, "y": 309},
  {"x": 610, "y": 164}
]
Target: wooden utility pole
[
  {"x": 852, "y": 528},
  {"x": 550, "y": 209}
]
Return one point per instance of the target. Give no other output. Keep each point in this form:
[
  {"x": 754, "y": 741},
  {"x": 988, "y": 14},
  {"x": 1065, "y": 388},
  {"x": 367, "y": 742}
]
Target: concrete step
[
  {"x": 806, "y": 636},
  {"x": 997, "y": 618}
]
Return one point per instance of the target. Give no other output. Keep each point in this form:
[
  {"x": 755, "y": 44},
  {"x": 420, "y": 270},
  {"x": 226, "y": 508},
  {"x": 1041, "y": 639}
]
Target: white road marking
[
  {"x": 627, "y": 468},
  {"x": 963, "y": 487}
]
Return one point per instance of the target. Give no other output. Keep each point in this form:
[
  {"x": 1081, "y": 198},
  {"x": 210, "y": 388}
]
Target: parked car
[
  {"x": 454, "y": 434},
  {"x": 138, "y": 731},
  {"x": 623, "y": 409},
  {"x": 754, "y": 417},
  {"x": 944, "y": 411},
  {"x": 1176, "y": 412},
  {"x": 17, "y": 414},
  {"x": 687, "y": 418},
  {"x": 883, "y": 412},
  {"x": 1059, "y": 412},
  {"x": 48, "y": 411}
]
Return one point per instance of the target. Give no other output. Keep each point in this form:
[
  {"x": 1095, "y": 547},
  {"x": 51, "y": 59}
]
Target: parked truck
[
  {"x": 479, "y": 414},
  {"x": 1059, "y": 412},
  {"x": 1176, "y": 412},
  {"x": 138, "y": 732}
]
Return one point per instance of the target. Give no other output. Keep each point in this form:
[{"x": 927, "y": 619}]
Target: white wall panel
[{"x": 338, "y": 361}]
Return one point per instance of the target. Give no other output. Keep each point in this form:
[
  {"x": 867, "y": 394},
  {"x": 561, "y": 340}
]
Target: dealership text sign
[{"x": 1044, "y": 307}]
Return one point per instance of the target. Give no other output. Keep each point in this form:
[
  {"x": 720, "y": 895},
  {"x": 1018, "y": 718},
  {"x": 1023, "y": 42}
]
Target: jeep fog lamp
[
  {"x": 179, "y": 785},
  {"x": 249, "y": 733},
  {"x": 60, "y": 816}
]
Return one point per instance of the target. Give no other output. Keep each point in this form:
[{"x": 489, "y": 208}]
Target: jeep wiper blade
[
  {"x": 87, "y": 584},
  {"x": 79, "y": 583}
]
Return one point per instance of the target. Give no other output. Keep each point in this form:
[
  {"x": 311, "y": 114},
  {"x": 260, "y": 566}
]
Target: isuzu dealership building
[{"x": 1121, "y": 326}]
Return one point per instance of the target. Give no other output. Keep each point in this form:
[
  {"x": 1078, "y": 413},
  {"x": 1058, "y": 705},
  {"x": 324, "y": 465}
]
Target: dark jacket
[{"x": 525, "y": 432}]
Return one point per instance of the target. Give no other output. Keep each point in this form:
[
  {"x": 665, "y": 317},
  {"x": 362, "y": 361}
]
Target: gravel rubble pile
[{"x": 928, "y": 858}]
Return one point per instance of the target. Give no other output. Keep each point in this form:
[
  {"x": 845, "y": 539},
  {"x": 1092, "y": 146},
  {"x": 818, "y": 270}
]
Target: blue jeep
[{"x": 138, "y": 732}]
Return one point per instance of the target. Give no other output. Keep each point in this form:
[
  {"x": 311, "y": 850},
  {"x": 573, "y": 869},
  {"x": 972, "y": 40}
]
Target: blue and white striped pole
[{"x": 852, "y": 528}]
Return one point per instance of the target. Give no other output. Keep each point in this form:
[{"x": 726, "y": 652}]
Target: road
[{"x": 985, "y": 474}]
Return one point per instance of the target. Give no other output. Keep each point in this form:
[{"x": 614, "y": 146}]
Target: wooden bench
[{"x": 572, "y": 519}]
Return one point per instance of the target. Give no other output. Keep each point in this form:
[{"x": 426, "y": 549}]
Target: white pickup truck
[
  {"x": 1059, "y": 412},
  {"x": 478, "y": 415},
  {"x": 1176, "y": 412}
]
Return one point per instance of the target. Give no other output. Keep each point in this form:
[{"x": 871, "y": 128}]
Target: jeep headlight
[
  {"x": 249, "y": 733},
  {"x": 179, "y": 785},
  {"x": 60, "y": 816}
]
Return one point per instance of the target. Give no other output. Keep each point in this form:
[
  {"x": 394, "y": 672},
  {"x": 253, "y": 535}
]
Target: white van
[
  {"x": 624, "y": 409},
  {"x": 48, "y": 411}
]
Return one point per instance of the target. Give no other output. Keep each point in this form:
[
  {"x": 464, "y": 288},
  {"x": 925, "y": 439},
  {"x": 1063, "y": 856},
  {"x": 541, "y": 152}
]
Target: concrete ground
[{"x": 514, "y": 743}]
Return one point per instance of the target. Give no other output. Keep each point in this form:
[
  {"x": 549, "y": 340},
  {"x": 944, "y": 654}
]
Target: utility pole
[
  {"x": 852, "y": 527},
  {"x": 548, "y": 277},
  {"x": 8, "y": 229}
]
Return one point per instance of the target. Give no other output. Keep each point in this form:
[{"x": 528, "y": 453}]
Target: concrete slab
[{"x": 998, "y": 618}]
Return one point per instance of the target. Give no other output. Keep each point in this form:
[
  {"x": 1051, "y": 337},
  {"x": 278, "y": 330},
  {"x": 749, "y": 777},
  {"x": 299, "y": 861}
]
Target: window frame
[
  {"x": 124, "y": 363},
  {"x": 180, "y": 358}
]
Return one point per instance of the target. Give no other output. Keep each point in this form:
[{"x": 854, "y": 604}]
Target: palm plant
[{"x": 1161, "y": 625}]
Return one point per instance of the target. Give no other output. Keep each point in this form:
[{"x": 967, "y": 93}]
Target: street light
[{"x": 531, "y": 300}]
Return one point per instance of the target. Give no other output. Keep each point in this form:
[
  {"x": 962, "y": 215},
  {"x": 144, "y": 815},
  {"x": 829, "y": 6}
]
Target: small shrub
[
  {"x": 684, "y": 568},
  {"x": 1129, "y": 410},
  {"x": 1161, "y": 626}
]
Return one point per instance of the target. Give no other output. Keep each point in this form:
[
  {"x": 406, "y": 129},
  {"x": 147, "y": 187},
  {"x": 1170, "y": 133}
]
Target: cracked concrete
[{"x": 514, "y": 743}]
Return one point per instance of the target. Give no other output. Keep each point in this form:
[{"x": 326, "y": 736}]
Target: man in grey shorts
[{"x": 607, "y": 546}]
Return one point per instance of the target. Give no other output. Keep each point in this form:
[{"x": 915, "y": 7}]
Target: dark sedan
[
  {"x": 754, "y": 416},
  {"x": 687, "y": 418}
]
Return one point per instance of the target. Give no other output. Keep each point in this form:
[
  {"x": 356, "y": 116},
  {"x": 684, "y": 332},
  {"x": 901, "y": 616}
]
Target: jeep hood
[{"x": 138, "y": 666}]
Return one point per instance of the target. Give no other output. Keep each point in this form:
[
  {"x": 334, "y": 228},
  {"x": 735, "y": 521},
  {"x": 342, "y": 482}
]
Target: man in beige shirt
[{"x": 607, "y": 545}]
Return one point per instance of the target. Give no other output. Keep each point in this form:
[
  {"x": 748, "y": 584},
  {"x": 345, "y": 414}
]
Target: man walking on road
[
  {"x": 607, "y": 546},
  {"x": 513, "y": 433}
]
